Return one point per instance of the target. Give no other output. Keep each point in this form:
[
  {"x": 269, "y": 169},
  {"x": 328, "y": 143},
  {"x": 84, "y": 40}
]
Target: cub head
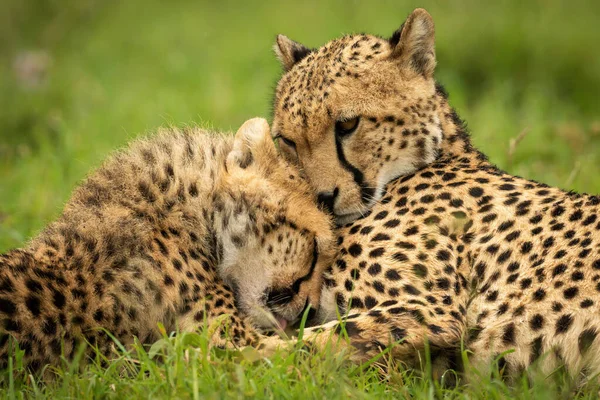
[
  {"x": 359, "y": 112},
  {"x": 276, "y": 242}
]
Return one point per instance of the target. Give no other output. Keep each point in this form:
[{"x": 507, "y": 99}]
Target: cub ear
[
  {"x": 289, "y": 52},
  {"x": 253, "y": 134},
  {"x": 413, "y": 45}
]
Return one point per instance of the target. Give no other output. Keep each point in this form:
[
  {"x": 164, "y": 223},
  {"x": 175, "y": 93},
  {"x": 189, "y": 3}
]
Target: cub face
[
  {"x": 276, "y": 241},
  {"x": 359, "y": 112}
]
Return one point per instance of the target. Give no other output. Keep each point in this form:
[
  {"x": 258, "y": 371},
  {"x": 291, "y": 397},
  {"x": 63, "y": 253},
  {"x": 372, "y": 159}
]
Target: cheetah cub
[{"x": 177, "y": 229}]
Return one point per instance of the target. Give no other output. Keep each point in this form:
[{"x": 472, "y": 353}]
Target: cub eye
[
  {"x": 287, "y": 141},
  {"x": 346, "y": 127}
]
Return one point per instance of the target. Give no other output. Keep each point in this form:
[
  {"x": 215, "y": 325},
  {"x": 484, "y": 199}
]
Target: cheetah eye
[
  {"x": 346, "y": 127},
  {"x": 287, "y": 141}
]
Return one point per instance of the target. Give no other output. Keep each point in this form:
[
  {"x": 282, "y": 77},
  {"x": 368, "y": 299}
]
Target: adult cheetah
[
  {"x": 177, "y": 229},
  {"x": 447, "y": 248}
]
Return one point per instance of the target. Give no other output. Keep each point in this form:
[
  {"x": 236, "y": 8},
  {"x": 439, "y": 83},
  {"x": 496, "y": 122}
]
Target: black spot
[
  {"x": 476, "y": 191},
  {"x": 539, "y": 295},
  {"x": 536, "y": 322},
  {"x": 374, "y": 269},
  {"x": 370, "y": 302},
  {"x": 392, "y": 275},
  {"x": 350, "y": 327},
  {"x": 564, "y": 323},
  {"x": 410, "y": 289},
  {"x": 378, "y": 252},
  {"x": 504, "y": 256},
  {"x": 420, "y": 270},
  {"x": 366, "y": 230},
  {"x": 586, "y": 303},
  {"x": 7, "y": 307},
  {"x": 577, "y": 215},
  {"x": 34, "y": 286},
  {"x": 98, "y": 315},
  {"x": 506, "y": 186},
  {"x": 586, "y": 339},
  {"x": 456, "y": 203},
  {"x": 193, "y": 189},
  {"x": 489, "y": 218},
  {"x": 508, "y": 337},
  {"x": 381, "y": 215},
  {"x": 411, "y": 231},
  {"x": 559, "y": 269},
  {"x": 163, "y": 249},
  {"x": 536, "y": 349},
  {"x": 443, "y": 283},
  {"x": 392, "y": 223},
  {"x": 571, "y": 292},
  {"x": 492, "y": 296},
  {"x": 504, "y": 308},
  {"x": 380, "y": 237},
  {"x": 33, "y": 305},
  {"x": 11, "y": 325},
  {"x": 443, "y": 255},
  {"x": 378, "y": 286},
  {"x": 435, "y": 329},
  {"x": 526, "y": 283},
  {"x": 355, "y": 250},
  {"x": 58, "y": 299},
  {"x": 526, "y": 247},
  {"x": 49, "y": 327},
  {"x": 557, "y": 211},
  {"x": 549, "y": 242},
  {"x": 448, "y": 176},
  {"x": 492, "y": 249}
]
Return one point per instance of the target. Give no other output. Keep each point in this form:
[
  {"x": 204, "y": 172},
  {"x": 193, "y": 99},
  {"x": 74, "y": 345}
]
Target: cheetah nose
[{"x": 327, "y": 199}]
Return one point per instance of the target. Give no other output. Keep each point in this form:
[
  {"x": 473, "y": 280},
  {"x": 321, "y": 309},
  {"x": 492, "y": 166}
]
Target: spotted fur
[
  {"x": 449, "y": 249},
  {"x": 177, "y": 229}
]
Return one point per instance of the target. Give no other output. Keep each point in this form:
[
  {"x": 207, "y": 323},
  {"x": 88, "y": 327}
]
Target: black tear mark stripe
[
  {"x": 313, "y": 265},
  {"x": 282, "y": 296},
  {"x": 366, "y": 193}
]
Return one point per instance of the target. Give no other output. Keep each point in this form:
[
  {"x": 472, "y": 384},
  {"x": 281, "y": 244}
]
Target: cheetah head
[
  {"x": 276, "y": 240},
  {"x": 359, "y": 112}
]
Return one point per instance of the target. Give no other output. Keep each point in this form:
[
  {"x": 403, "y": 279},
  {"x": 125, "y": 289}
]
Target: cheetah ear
[
  {"x": 253, "y": 134},
  {"x": 413, "y": 45},
  {"x": 289, "y": 52}
]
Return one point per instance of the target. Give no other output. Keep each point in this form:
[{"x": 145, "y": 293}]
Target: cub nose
[{"x": 327, "y": 199}]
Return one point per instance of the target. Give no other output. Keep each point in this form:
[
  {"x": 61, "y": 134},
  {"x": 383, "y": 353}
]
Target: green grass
[
  {"x": 114, "y": 70},
  {"x": 183, "y": 366}
]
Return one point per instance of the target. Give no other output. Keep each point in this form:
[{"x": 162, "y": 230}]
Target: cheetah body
[{"x": 448, "y": 249}]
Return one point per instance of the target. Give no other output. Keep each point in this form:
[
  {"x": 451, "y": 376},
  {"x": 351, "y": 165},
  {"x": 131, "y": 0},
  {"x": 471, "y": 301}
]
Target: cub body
[{"x": 176, "y": 229}]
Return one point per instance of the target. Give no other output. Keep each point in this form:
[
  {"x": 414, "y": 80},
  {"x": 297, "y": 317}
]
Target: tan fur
[
  {"x": 361, "y": 76},
  {"x": 454, "y": 251},
  {"x": 177, "y": 229}
]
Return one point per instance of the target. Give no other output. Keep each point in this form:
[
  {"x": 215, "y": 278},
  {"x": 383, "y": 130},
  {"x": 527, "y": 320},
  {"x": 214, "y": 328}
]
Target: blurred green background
[{"x": 79, "y": 78}]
